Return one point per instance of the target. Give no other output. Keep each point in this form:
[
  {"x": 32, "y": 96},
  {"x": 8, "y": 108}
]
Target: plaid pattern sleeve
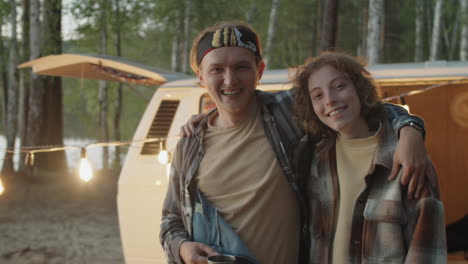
[
  {"x": 399, "y": 117},
  {"x": 173, "y": 231},
  {"x": 281, "y": 106},
  {"x": 426, "y": 233},
  {"x": 404, "y": 231}
]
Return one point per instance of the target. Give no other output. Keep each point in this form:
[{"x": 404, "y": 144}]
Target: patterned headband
[{"x": 224, "y": 37}]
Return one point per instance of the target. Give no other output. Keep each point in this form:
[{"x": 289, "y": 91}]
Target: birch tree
[
  {"x": 418, "y": 35},
  {"x": 103, "y": 87},
  {"x": 36, "y": 89},
  {"x": 187, "y": 40},
  {"x": 435, "y": 43},
  {"x": 451, "y": 33},
  {"x": 464, "y": 31},
  {"x": 374, "y": 30},
  {"x": 12, "y": 95},
  {"x": 329, "y": 26},
  {"x": 3, "y": 78},
  {"x": 251, "y": 13},
  {"x": 175, "y": 56},
  {"x": 271, "y": 30},
  {"x": 119, "y": 99},
  {"x": 25, "y": 82},
  {"x": 4, "y": 12}
]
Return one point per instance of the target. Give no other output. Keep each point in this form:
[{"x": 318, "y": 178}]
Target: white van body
[{"x": 143, "y": 180}]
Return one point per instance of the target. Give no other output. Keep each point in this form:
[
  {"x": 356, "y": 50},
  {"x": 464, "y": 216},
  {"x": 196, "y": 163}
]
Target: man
[{"x": 234, "y": 189}]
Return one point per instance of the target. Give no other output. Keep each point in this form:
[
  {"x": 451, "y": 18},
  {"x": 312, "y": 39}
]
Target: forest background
[
  {"x": 43, "y": 110},
  {"x": 73, "y": 222}
]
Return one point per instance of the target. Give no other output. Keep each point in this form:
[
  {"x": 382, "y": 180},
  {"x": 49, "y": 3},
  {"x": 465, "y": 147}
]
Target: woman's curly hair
[{"x": 372, "y": 108}]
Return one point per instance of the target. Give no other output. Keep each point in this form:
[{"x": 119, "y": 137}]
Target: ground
[
  {"x": 60, "y": 222},
  {"x": 67, "y": 222}
]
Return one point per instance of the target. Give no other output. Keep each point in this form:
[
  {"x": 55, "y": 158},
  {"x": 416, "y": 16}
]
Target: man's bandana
[{"x": 225, "y": 37}]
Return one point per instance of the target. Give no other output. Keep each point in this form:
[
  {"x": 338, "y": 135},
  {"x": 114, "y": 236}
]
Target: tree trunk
[
  {"x": 252, "y": 13},
  {"x": 329, "y": 26},
  {"x": 45, "y": 126},
  {"x": 271, "y": 30},
  {"x": 464, "y": 31},
  {"x": 363, "y": 43},
  {"x": 12, "y": 96},
  {"x": 118, "y": 101},
  {"x": 4, "y": 79},
  {"x": 103, "y": 90},
  {"x": 187, "y": 40},
  {"x": 418, "y": 35},
  {"x": 175, "y": 56},
  {"x": 452, "y": 40},
  {"x": 374, "y": 29},
  {"x": 317, "y": 28},
  {"x": 435, "y": 43},
  {"x": 36, "y": 91},
  {"x": 26, "y": 80}
]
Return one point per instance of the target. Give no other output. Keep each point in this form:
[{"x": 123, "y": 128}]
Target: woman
[{"x": 358, "y": 216}]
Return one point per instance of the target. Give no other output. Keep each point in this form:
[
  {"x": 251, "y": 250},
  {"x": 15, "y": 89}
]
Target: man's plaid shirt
[{"x": 282, "y": 134}]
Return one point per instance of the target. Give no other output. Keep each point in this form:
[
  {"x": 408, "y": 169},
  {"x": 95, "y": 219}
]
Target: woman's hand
[{"x": 188, "y": 129}]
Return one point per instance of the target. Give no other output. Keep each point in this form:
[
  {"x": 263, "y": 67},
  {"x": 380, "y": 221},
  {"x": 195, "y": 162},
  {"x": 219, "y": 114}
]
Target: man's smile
[{"x": 231, "y": 91}]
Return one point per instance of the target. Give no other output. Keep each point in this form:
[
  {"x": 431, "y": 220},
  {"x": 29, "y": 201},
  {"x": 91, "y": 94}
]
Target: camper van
[{"x": 441, "y": 101}]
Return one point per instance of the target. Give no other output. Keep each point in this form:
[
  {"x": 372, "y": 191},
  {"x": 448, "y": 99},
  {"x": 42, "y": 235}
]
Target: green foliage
[
  {"x": 399, "y": 31},
  {"x": 148, "y": 28},
  {"x": 5, "y": 9},
  {"x": 81, "y": 108},
  {"x": 296, "y": 33},
  {"x": 352, "y": 26}
]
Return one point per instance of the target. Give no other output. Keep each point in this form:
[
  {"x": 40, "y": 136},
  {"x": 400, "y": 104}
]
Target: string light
[
  {"x": 86, "y": 173},
  {"x": 85, "y": 170},
  {"x": 164, "y": 156},
  {"x": 31, "y": 150},
  {"x": 26, "y": 159},
  {"x": 402, "y": 102}
]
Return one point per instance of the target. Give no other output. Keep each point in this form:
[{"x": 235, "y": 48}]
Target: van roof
[{"x": 384, "y": 74}]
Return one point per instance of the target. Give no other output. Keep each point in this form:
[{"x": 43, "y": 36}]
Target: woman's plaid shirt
[{"x": 386, "y": 226}]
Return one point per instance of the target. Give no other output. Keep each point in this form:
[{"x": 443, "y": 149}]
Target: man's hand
[
  {"x": 195, "y": 252},
  {"x": 411, "y": 154},
  {"x": 188, "y": 129}
]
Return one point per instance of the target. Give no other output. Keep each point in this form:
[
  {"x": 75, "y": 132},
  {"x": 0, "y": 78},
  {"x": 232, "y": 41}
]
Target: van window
[{"x": 160, "y": 125}]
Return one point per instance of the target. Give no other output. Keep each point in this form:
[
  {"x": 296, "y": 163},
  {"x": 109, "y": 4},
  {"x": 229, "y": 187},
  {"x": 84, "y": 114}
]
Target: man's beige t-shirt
[
  {"x": 354, "y": 157},
  {"x": 241, "y": 176}
]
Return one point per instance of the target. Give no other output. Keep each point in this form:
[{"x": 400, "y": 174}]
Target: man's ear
[
  {"x": 260, "y": 70},
  {"x": 200, "y": 78}
]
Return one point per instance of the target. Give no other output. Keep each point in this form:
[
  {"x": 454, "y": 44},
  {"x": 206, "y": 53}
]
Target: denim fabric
[{"x": 210, "y": 228}]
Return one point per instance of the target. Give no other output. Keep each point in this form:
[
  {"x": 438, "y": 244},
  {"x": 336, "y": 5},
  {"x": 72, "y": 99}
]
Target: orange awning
[{"x": 99, "y": 67}]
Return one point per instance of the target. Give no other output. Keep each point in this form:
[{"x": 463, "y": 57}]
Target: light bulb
[
  {"x": 163, "y": 157},
  {"x": 86, "y": 173},
  {"x": 2, "y": 189}
]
